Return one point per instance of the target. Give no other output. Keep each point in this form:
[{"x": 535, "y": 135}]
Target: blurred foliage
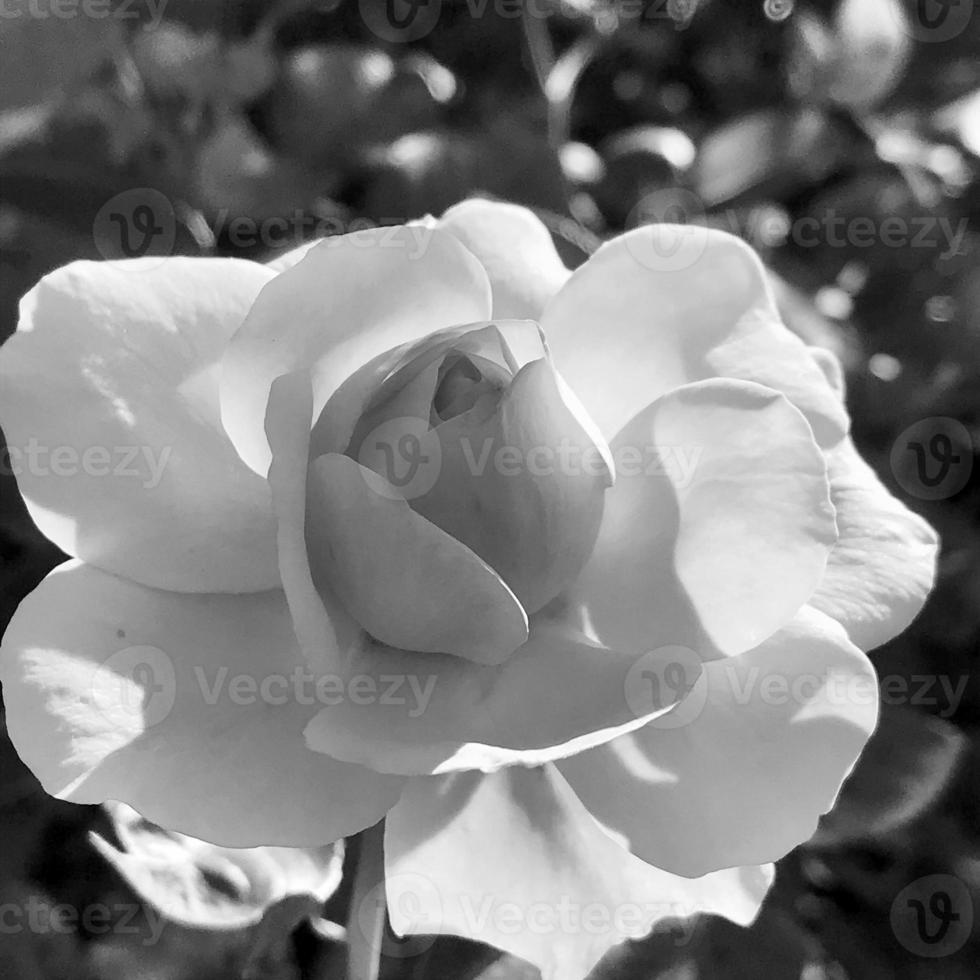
[{"x": 762, "y": 118}]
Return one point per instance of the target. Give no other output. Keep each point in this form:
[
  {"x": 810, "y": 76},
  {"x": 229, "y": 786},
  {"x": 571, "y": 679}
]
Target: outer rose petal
[
  {"x": 348, "y": 300},
  {"x": 740, "y": 771},
  {"x": 628, "y": 327},
  {"x": 733, "y": 539},
  {"x": 884, "y": 565},
  {"x": 517, "y": 251},
  {"x": 512, "y": 243},
  {"x": 287, "y": 424},
  {"x": 113, "y": 375},
  {"x": 516, "y": 861},
  {"x": 449, "y": 714},
  {"x": 117, "y": 691}
]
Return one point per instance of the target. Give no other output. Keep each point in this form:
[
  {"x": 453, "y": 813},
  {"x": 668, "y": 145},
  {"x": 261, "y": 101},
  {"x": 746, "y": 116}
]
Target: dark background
[{"x": 748, "y": 116}]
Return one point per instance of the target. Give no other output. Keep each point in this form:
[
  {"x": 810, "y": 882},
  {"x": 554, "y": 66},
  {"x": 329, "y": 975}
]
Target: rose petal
[
  {"x": 515, "y": 248},
  {"x": 524, "y": 488},
  {"x": 559, "y": 694},
  {"x": 663, "y": 306},
  {"x": 514, "y": 860},
  {"x": 322, "y": 635},
  {"x": 117, "y": 691},
  {"x": 402, "y": 382},
  {"x": 109, "y": 403},
  {"x": 289, "y": 258},
  {"x": 884, "y": 565},
  {"x": 348, "y": 300},
  {"x": 830, "y": 364},
  {"x": 514, "y": 342},
  {"x": 730, "y": 536},
  {"x": 406, "y": 581},
  {"x": 740, "y": 772}
]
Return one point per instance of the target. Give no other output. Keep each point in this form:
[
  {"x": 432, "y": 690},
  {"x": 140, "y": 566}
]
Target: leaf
[{"x": 200, "y": 885}]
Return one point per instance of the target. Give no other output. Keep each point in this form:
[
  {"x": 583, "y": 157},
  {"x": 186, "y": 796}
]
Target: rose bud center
[{"x": 488, "y": 450}]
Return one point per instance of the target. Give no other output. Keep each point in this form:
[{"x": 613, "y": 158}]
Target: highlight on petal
[
  {"x": 559, "y": 694},
  {"x": 190, "y": 708},
  {"x": 718, "y": 528},
  {"x": 515, "y": 248},
  {"x": 884, "y": 564},
  {"x": 739, "y": 772},
  {"x": 109, "y": 404},
  {"x": 544, "y": 882},
  {"x": 348, "y": 300},
  {"x": 663, "y": 306},
  {"x": 406, "y": 581}
]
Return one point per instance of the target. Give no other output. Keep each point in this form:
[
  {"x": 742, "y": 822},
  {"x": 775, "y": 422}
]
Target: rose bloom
[{"x": 568, "y": 575}]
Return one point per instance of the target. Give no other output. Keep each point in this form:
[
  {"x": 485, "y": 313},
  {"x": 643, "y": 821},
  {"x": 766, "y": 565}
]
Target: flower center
[{"x": 461, "y": 385}]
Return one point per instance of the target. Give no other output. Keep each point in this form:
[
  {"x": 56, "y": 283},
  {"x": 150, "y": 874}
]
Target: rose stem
[{"x": 368, "y": 909}]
